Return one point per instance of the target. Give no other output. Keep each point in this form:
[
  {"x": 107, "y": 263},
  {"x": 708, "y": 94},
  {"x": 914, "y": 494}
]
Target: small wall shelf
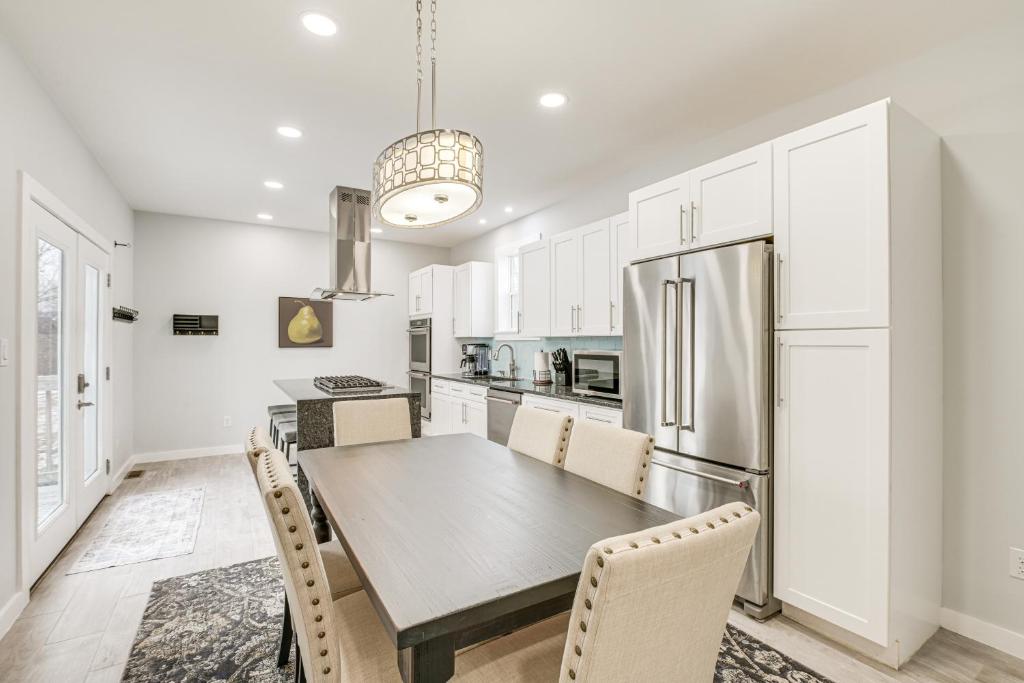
[
  {"x": 125, "y": 315},
  {"x": 192, "y": 324}
]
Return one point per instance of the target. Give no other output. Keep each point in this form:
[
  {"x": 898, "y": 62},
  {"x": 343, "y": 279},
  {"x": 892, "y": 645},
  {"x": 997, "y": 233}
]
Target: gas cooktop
[{"x": 340, "y": 384}]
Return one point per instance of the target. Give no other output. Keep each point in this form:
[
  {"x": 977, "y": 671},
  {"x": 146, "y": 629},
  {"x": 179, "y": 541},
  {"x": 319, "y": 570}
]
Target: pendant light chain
[
  {"x": 419, "y": 59},
  {"x": 433, "y": 64}
]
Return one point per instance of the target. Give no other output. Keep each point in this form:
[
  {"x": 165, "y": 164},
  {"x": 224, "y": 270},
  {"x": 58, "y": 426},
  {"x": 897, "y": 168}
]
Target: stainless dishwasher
[{"x": 501, "y": 410}]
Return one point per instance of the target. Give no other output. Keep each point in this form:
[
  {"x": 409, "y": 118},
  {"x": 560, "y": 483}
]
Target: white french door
[{"x": 65, "y": 420}]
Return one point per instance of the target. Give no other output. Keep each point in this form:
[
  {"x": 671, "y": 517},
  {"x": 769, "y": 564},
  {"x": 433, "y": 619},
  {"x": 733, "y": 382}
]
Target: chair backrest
[
  {"x": 541, "y": 434},
  {"x": 256, "y": 443},
  {"x": 305, "y": 580},
  {"x": 652, "y": 605},
  {"x": 371, "y": 421},
  {"x": 615, "y": 457}
]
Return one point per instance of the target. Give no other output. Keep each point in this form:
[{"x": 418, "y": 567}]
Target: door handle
[
  {"x": 598, "y": 419},
  {"x": 502, "y": 400},
  {"x": 693, "y": 220},
  {"x": 550, "y": 410},
  {"x": 704, "y": 475},
  {"x": 664, "y": 354},
  {"x": 519, "y": 321},
  {"x": 778, "y": 286},
  {"x": 611, "y": 314},
  {"x": 778, "y": 374},
  {"x": 682, "y": 224},
  {"x": 85, "y": 404},
  {"x": 82, "y": 384},
  {"x": 691, "y": 334}
]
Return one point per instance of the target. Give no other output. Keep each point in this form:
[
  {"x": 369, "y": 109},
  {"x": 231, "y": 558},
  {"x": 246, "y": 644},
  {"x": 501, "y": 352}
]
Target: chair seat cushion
[
  {"x": 367, "y": 654},
  {"x": 341, "y": 575}
]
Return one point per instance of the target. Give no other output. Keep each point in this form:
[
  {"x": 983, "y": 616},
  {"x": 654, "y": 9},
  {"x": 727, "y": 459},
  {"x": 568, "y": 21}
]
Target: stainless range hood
[{"x": 350, "y": 248}]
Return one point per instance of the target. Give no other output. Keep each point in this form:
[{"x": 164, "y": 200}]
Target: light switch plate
[{"x": 5, "y": 352}]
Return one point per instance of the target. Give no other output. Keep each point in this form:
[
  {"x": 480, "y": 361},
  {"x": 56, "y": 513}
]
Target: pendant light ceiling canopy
[{"x": 434, "y": 176}]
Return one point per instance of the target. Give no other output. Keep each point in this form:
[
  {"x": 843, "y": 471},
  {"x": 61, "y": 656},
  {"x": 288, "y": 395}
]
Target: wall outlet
[
  {"x": 227, "y": 420},
  {"x": 1017, "y": 563},
  {"x": 5, "y": 352}
]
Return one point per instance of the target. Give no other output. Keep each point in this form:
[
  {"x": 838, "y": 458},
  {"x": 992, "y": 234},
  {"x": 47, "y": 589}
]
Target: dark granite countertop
[
  {"x": 305, "y": 390},
  {"x": 526, "y": 386}
]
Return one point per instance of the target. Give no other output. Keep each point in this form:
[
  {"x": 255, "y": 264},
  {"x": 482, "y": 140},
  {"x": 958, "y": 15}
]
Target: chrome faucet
[{"x": 512, "y": 358}]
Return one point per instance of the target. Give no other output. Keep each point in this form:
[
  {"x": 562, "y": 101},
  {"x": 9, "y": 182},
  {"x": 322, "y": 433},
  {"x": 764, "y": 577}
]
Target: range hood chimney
[{"x": 350, "y": 248}]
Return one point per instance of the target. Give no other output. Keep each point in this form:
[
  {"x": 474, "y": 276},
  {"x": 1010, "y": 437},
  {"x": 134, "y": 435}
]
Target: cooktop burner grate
[{"x": 337, "y": 384}]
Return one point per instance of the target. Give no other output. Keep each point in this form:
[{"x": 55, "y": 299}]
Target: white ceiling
[{"x": 179, "y": 101}]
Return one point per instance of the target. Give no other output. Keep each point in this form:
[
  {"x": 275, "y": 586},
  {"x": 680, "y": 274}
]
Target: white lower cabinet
[
  {"x": 608, "y": 416},
  {"x": 552, "y": 405},
  {"x": 832, "y": 460},
  {"x": 458, "y": 408}
]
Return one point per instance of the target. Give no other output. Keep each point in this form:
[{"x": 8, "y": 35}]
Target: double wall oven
[{"x": 419, "y": 362}]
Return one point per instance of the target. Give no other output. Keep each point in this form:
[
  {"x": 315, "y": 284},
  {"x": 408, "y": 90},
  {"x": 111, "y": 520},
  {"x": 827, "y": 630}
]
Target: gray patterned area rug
[
  {"x": 145, "y": 526},
  {"x": 224, "y": 625}
]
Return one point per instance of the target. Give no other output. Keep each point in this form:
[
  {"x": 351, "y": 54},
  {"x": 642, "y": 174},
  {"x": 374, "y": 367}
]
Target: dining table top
[{"x": 451, "y": 533}]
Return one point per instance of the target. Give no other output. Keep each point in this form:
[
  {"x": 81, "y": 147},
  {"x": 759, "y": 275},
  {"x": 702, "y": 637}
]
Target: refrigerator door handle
[
  {"x": 664, "y": 355},
  {"x": 691, "y": 336},
  {"x": 778, "y": 286},
  {"x": 778, "y": 373},
  {"x": 704, "y": 475}
]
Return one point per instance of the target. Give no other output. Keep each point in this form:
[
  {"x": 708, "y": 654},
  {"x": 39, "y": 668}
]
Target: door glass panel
[
  {"x": 50, "y": 460},
  {"x": 90, "y": 368}
]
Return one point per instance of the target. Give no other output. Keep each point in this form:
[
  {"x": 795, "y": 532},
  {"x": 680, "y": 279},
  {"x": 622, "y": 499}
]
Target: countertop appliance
[
  {"x": 475, "y": 362},
  {"x": 697, "y": 367},
  {"x": 501, "y": 410},
  {"x": 341, "y": 384},
  {"x": 597, "y": 373},
  {"x": 419, "y": 362}
]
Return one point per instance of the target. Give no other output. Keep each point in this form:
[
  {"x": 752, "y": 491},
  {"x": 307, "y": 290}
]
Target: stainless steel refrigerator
[{"x": 697, "y": 361}]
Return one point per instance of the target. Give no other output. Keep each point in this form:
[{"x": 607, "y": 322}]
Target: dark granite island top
[{"x": 315, "y": 417}]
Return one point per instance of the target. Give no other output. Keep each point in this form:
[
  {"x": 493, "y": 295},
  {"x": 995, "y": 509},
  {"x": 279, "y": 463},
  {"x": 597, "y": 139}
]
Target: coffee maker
[{"x": 475, "y": 360}]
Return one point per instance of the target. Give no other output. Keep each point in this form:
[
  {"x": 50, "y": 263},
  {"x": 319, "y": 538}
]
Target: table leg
[
  {"x": 432, "y": 661},
  {"x": 321, "y": 527}
]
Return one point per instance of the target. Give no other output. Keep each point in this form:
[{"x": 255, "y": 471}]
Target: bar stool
[
  {"x": 277, "y": 410},
  {"x": 277, "y": 420},
  {"x": 289, "y": 435}
]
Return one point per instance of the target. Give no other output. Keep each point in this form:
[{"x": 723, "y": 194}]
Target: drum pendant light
[{"x": 434, "y": 176}]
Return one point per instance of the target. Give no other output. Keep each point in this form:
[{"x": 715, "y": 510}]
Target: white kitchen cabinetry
[
  {"x": 458, "y": 408},
  {"x": 534, "y": 289},
  {"x": 474, "y": 300},
  {"x": 832, "y": 223},
  {"x": 832, "y": 477},
  {"x": 581, "y": 281},
  {"x": 565, "y": 283},
  {"x": 442, "y": 407},
  {"x": 608, "y": 416},
  {"x": 858, "y": 403},
  {"x": 731, "y": 198},
  {"x": 659, "y": 217},
  {"x": 552, "y": 405},
  {"x": 621, "y": 250},
  {"x": 421, "y": 291}
]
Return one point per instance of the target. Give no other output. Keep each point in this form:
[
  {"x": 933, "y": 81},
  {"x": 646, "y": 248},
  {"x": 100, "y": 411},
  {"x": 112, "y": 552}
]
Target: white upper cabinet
[
  {"x": 534, "y": 289},
  {"x": 659, "y": 217},
  {"x": 832, "y": 454},
  {"x": 731, "y": 199},
  {"x": 564, "y": 283},
  {"x": 621, "y": 250},
  {"x": 594, "y": 308},
  {"x": 421, "y": 291},
  {"x": 474, "y": 300},
  {"x": 832, "y": 223}
]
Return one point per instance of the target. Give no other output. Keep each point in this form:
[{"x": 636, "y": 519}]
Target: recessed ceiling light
[
  {"x": 319, "y": 24},
  {"x": 377, "y": 230},
  {"x": 289, "y": 132},
  {"x": 483, "y": 221},
  {"x": 273, "y": 184},
  {"x": 264, "y": 217},
  {"x": 552, "y": 100},
  {"x": 508, "y": 209}
]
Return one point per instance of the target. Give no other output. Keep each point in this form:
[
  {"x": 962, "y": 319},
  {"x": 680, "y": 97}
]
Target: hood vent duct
[{"x": 350, "y": 248}]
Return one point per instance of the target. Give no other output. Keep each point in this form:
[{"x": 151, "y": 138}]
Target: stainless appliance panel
[
  {"x": 597, "y": 373},
  {"x": 650, "y": 348},
  {"x": 724, "y": 355},
  {"x": 501, "y": 411},
  {"x": 419, "y": 345},
  {"x": 689, "y": 487},
  {"x": 420, "y": 383}
]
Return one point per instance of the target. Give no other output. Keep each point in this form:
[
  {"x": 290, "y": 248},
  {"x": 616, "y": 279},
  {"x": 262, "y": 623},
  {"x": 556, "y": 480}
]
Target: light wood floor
[{"x": 81, "y": 627}]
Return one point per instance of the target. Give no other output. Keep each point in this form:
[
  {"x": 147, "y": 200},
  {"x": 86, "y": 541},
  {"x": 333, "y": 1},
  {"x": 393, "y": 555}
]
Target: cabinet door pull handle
[
  {"x": 693, "y": 221},
  {"x": 682, "y": 224},
  {"x": 778, "y": 286},
  {"x": 778, "y": 374}
]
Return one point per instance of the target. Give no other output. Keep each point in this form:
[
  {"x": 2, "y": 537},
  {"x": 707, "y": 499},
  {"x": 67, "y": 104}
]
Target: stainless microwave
[{"x": 597, "y": 373}]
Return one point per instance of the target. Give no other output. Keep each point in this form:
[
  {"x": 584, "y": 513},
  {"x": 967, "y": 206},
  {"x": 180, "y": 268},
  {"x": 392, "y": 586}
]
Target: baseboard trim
[
  {"x": 161, "y": 456},
  {"x": 12, "y": 610},
  {"x": 1003, "y": 639},
  {"x": 116, "y": 480}
]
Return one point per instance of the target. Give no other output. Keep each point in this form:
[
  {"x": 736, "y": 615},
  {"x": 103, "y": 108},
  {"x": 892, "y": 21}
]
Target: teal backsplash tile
[{"x": 524, "y": 350}]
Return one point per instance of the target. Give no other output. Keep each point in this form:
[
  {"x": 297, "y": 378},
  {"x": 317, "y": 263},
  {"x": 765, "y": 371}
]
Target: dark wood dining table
[{"x": 457, "y": 539}]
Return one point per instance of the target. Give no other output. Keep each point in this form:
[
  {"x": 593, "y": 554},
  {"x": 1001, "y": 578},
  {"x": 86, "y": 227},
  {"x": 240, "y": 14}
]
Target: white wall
[
  {"x": 34, "y": 137},
  {"x": 185, "y": 386},
  {"x": 971, "y": 92}
]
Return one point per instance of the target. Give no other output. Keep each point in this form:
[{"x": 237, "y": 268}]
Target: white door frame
[{"x": 32, "y": 192}]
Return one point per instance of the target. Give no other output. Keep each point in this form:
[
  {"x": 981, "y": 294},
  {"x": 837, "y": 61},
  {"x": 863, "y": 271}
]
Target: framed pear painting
[{"x": 304, "y": 323}]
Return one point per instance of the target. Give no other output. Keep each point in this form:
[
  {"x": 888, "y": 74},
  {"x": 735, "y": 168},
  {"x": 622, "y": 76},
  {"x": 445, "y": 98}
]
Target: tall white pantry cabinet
[{"x": 858, "y": 402}]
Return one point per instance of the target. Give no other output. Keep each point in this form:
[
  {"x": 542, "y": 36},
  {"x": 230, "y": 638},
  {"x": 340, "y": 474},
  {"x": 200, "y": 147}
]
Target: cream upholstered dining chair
[
  {"x": 650, "y": 606},
  {"x": 371, "y": 421},
  {"x": 257, "y": 442},
  {"x": 615, "y": 457},
  {"x": 541, "y": 434},
  {"x": 340, "y": 579}
]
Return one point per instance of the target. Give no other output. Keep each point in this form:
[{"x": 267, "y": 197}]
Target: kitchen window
[{"x": 506, "y": 288}]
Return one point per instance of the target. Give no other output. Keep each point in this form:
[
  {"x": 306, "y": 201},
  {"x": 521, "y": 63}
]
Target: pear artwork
[{"x": 305, "y": 327}]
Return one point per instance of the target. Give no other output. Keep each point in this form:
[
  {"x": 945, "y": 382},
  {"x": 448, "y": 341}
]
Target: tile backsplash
[{"x": 525, "y": 349}]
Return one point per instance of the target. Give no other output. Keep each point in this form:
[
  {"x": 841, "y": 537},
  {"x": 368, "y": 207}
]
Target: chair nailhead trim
[
  {"x": 608, "y": 551},
  {"x": 292, "y": 528},
  {"x": 638, "y": 492},
  {"x": 318, "y": 617},
  {"x": 723, "y": 520},
  {"x": 310, "y": 583},
  {"x": 711, "y": 525},
  {"x": 579, "y": 650},
  {"x": 572, "y": 674},
  {"x": 748, "y": 508},
  {"x": 676, "y": 534},
  {"x": 321, "y": 634},
  {"x": 693, "y": 531},
  {"x": 588, "y": 604},
  {"x": 286, "y": 510},
  {"x": 277, "y": 494},
  {"x": 593, "y": 581},
  {"x": 736, "y": 515},
  {"x": 316, "y": 601},
  {"x": 323, "y": 653},
  {"x": 305, "y": 565},
  {"x": 583, "y": 626},
  {"x": 655, "y": 539},
  {"x": 327, "y": 670},
  {"x": 298, "y": 546},
  {"x": 632, "y": 544},
  {"x": 600, "y": 561}
]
